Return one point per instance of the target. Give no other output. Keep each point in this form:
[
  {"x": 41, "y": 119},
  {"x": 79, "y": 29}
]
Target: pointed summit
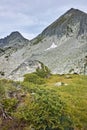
[
  {"x": 66, "y": 23},
  {"x": 16, "y": 34},
  {"x": 74, "y": 11},
  {"x": 13, "y": 38}
]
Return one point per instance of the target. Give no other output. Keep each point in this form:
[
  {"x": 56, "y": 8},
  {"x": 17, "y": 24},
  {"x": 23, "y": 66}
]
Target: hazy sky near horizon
[{"x": 30, "y": 17}]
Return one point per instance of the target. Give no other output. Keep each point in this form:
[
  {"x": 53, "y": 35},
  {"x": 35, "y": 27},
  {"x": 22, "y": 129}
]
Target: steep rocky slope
[{"x": 62, "y": 46}]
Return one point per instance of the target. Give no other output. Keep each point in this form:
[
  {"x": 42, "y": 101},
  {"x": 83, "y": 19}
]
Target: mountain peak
[
  {"x": 62, "y": 25},
  {"x": 16, "y": 34},
  {"x": 73, "y": 10},
  {"x": 13, "y": 38}
]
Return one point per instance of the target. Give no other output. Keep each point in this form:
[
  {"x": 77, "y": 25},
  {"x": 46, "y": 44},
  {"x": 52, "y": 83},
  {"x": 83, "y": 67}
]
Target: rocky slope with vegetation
[{"x": 44, "y": 102}]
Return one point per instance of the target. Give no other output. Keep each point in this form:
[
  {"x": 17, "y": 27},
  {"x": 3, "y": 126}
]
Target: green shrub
[
  {"x": 9, "y": 104},
  {"x": 46, "y": 112},
  {"x": 43, "y": 72},
  {"x": 34, "y": 78},
  {"x": 2, "y": 91}
]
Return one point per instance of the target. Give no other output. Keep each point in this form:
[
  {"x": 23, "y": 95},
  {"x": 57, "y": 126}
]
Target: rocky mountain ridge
[
  {"x": 15, "y": 38},
  {"x": 62, "y": 46}
]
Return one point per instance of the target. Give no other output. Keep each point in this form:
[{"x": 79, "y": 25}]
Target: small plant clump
[
  {"x": 37, "y": 40},
  {"x": 43, "y": 72}
]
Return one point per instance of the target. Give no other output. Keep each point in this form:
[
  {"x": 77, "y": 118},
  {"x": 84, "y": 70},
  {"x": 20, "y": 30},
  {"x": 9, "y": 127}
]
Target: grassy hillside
[{"x": 44, "y": 103}]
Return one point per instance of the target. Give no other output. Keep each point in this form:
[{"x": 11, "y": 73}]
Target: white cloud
[{"x": 29, "y": 36}]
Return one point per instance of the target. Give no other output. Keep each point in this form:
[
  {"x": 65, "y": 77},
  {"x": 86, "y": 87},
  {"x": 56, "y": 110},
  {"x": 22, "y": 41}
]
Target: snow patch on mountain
[{"x": 52, "y": 46}]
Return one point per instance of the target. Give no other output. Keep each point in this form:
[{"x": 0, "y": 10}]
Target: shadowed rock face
[
  {"x": 15, "y": 38},
  {"x": 62, "y": 46},
  {"x": 70, "y": 18}
]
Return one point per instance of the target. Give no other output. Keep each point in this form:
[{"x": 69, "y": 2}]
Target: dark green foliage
[
  {"x": 43, "y": 72},
  {"x": 2, "y": 90},
  {"x": 2, "y": 73},
  {"x": 58, "y": 23},
  {"x": 46, "y": 112},
  {"x": 9, "y": 104},
  {"x": 38, "y": 39},
  {"x": 69, "y": 29},
  {"x": 34, "y": 78},
  {"x": 71, "y": 70},
  {"x": 1, "y": 50}
]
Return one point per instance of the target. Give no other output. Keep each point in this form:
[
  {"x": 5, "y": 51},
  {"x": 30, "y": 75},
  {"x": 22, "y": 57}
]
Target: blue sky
[{"x": 30, "y": 17}]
